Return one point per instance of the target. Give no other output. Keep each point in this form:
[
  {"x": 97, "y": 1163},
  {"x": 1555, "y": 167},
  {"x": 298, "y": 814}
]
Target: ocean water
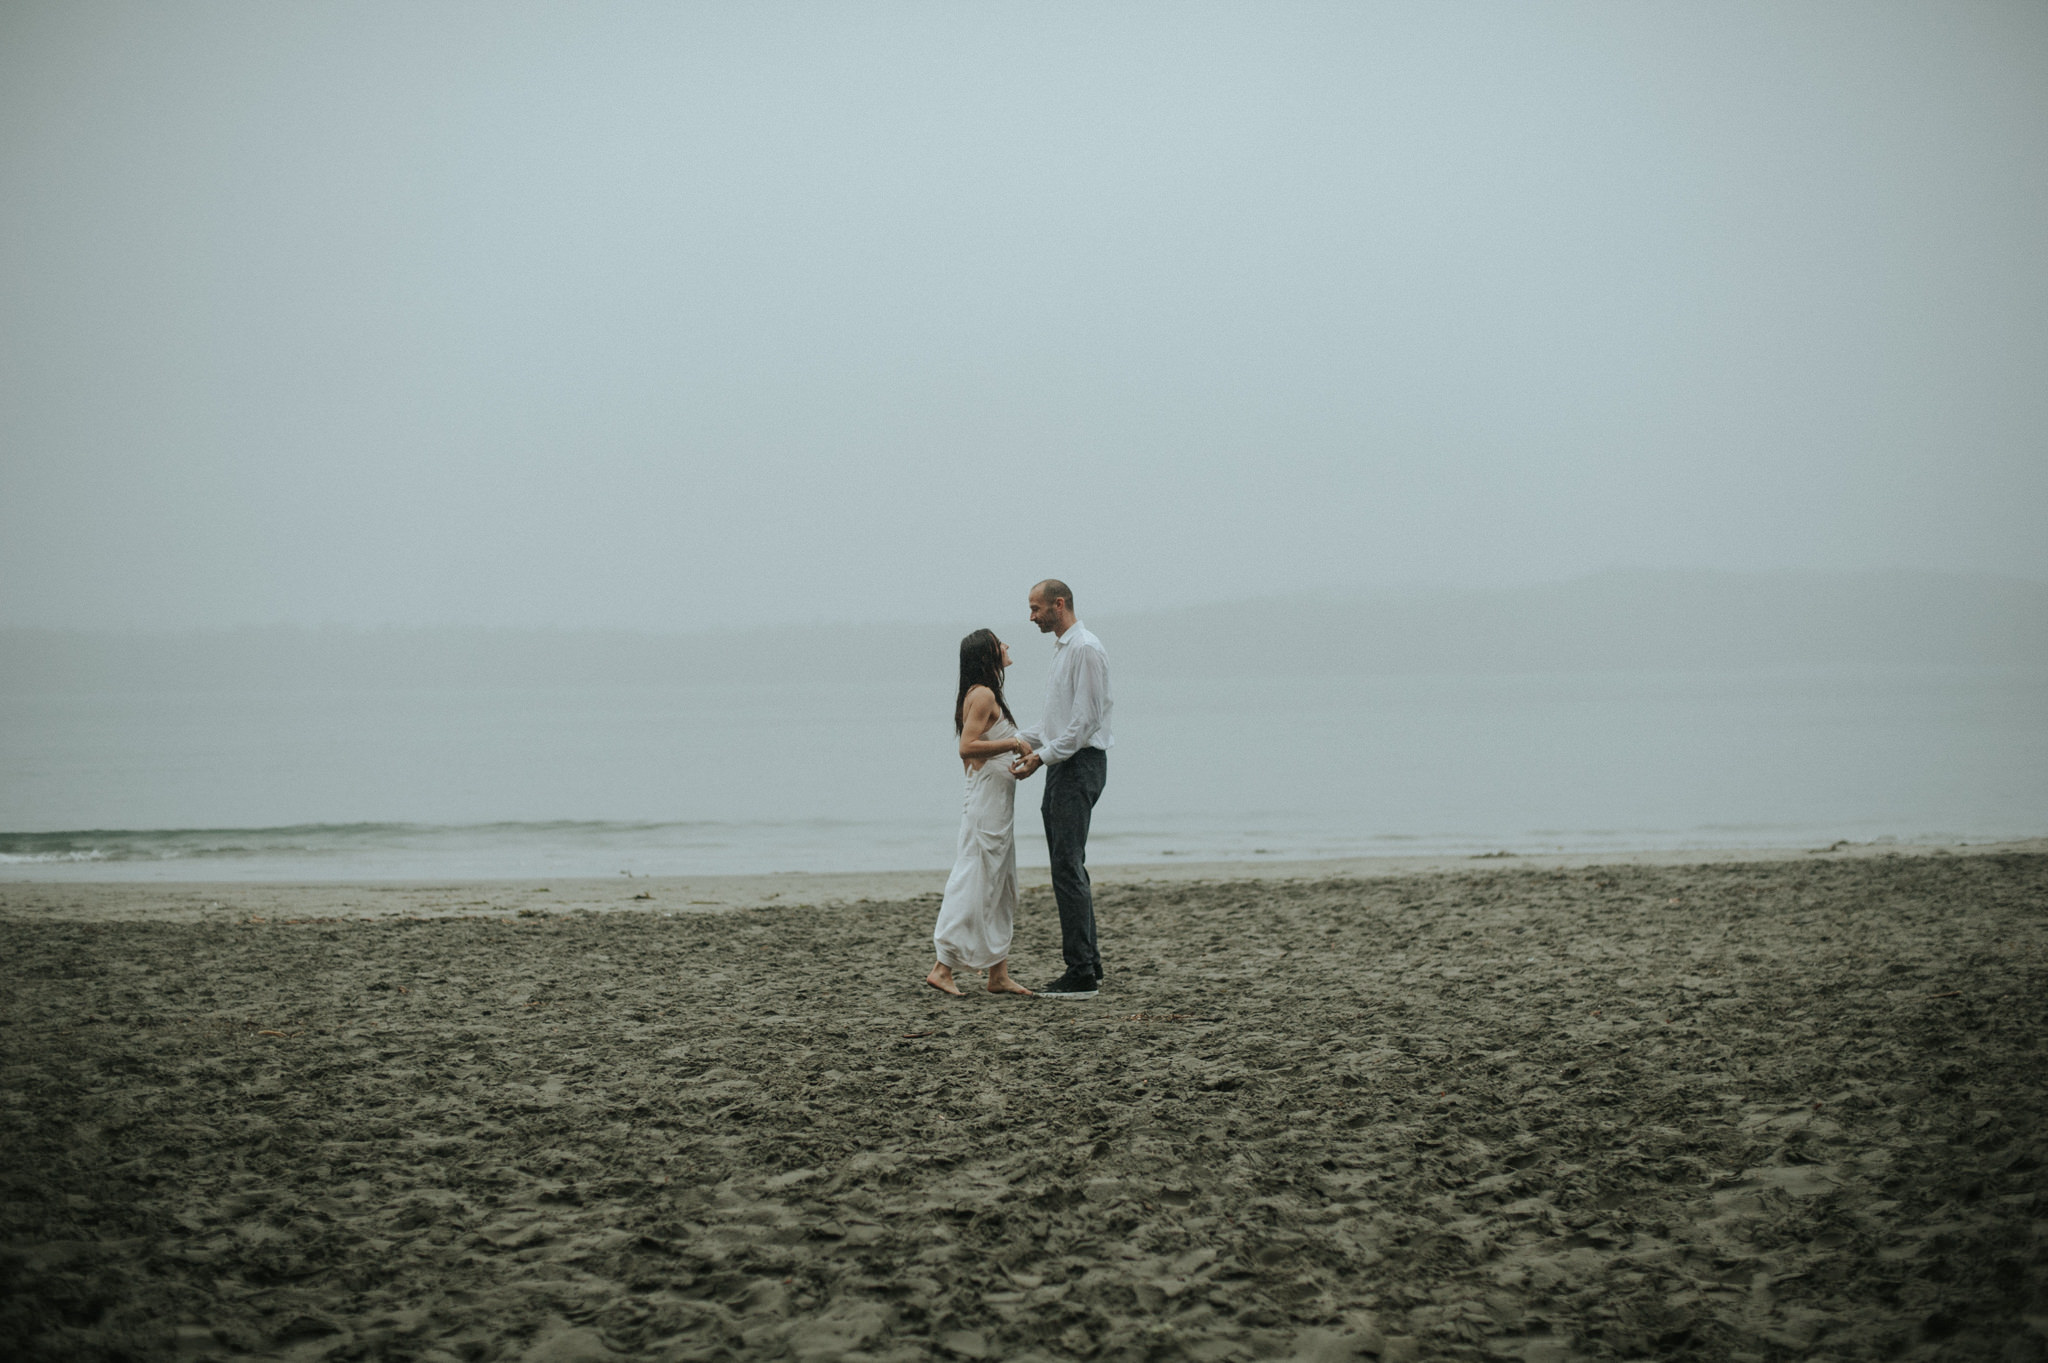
[{"x": 430, "y": 784}]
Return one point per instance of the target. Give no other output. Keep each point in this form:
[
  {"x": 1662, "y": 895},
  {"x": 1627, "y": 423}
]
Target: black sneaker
[{"x": 1075, "y": 984}]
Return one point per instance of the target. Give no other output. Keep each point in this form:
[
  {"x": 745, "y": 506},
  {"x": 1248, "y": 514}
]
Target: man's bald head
[{"x": 1052, "y": 606}]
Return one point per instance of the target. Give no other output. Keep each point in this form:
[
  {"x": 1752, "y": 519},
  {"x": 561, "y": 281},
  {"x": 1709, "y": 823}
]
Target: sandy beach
[{"x": 1679, "y": 1105}]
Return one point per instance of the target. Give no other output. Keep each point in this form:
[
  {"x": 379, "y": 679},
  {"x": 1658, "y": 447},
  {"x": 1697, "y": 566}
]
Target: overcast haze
[{"x": 654, "y": 316}]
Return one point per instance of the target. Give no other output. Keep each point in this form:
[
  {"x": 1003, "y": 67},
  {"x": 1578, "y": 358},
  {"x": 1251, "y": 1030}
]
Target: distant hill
[{"x": 1622, "y": 620}]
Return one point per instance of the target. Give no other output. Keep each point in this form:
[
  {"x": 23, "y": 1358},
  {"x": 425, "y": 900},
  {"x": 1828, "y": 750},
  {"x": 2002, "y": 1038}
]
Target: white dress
[{"x": 979, "y": 912}]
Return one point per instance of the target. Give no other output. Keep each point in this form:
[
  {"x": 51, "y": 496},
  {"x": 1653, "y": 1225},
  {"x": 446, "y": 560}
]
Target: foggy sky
[{"x": 656, "y": 316}]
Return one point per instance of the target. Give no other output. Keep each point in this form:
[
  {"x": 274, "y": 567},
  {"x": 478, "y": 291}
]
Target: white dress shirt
[{"x": 1076, "y": 699}]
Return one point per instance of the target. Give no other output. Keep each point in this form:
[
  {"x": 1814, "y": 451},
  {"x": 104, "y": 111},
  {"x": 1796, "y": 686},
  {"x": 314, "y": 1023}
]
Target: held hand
[{"x": 1025, "y": 765}]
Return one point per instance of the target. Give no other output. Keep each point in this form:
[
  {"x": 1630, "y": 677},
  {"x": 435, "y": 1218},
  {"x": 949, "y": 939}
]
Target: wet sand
[
  {"x": 235, "y": 901},
  {"x": 1746, "y": 1109}
]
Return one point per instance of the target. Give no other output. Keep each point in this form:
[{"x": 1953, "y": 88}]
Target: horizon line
[{"x": 1353, "y": 593}]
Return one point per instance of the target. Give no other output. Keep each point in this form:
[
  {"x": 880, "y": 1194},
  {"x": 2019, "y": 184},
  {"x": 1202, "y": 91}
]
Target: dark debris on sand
[{"x": 1747, "y": 1112}]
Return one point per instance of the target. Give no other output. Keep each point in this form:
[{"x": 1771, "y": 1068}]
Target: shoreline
[{"x": 203, "y": 900}]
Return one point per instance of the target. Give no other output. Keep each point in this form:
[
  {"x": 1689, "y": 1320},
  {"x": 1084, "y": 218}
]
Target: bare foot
[
  {"x": 999, "y": 982},
  {"x": 941, "y": 979}
]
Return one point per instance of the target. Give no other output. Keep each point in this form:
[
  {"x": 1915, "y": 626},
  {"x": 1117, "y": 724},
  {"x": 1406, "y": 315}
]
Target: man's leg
[{"x": 1071, "y": 789}]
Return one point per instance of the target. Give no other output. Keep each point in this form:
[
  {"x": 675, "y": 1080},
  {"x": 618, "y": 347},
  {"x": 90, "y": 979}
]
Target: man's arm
[
  {"x": 1035, "y": 735},
  {"x": 1029, "y": 760},
  {"x": 1091, "y": 684}
]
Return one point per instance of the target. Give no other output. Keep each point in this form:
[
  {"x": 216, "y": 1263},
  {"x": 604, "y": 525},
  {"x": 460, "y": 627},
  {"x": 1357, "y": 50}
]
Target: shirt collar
[{"x": 1073, "y": 633}]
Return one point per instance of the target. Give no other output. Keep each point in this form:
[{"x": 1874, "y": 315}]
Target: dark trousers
[{"x": 1071, "y": 789}]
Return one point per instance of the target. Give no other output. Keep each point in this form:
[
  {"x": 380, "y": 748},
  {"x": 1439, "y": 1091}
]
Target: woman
[{"x": 979, "y": 911}]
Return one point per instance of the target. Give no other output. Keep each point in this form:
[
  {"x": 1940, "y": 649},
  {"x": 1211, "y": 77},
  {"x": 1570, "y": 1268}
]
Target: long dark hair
[{"x": 981, "y": 664}]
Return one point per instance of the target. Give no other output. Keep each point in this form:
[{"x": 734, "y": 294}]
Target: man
[{"x": 1072, "y": 743}]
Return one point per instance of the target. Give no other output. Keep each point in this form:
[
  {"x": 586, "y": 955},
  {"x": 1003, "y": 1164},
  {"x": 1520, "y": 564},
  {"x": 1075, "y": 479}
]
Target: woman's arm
[{"x": 979, "y": 716}]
